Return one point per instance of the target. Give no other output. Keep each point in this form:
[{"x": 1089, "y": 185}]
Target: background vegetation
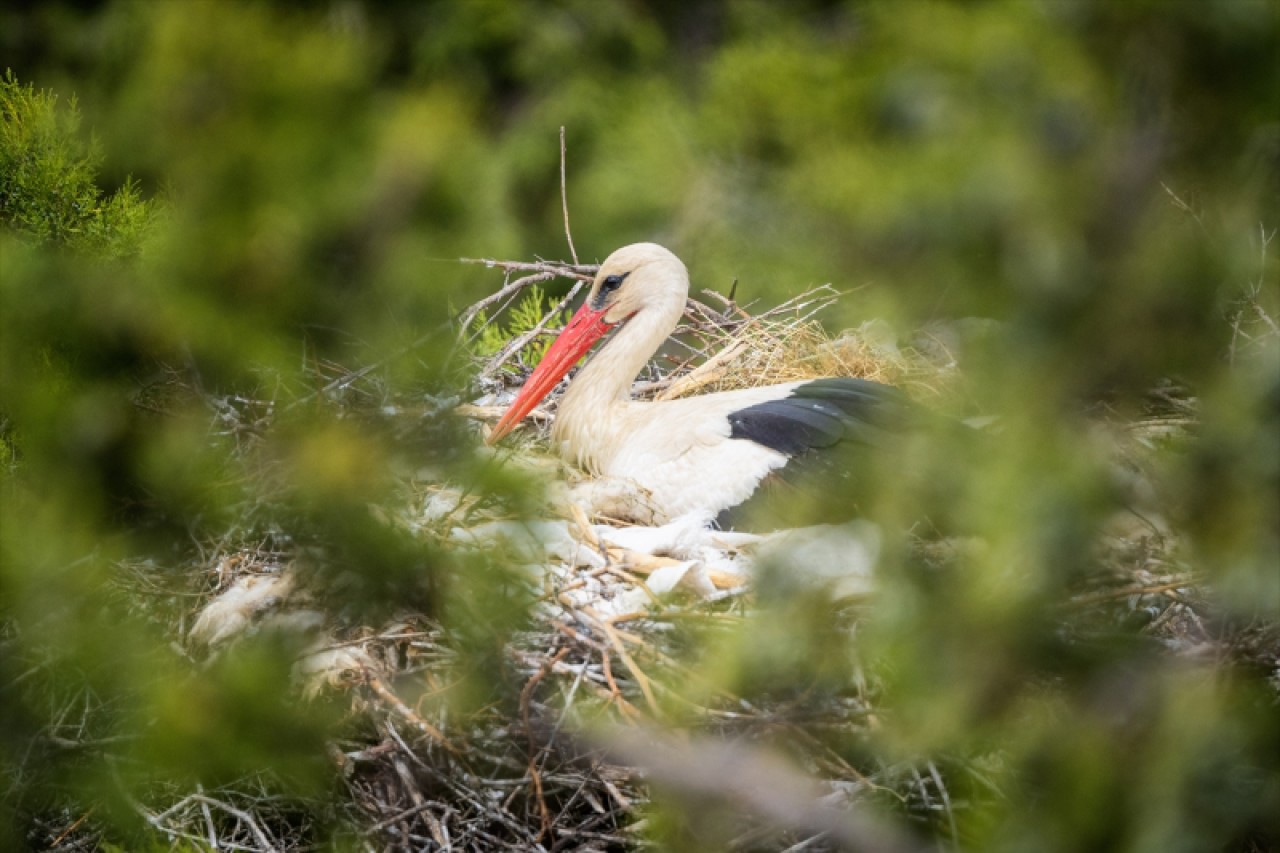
[{"x": 208, "y": 210}]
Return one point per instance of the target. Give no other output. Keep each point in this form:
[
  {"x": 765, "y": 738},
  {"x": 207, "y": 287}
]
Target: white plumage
[{"x": 696, "y": 456}]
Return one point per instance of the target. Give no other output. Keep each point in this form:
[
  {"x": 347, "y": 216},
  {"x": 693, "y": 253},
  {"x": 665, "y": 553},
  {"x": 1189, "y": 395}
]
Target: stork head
[
  {"x": 635, "y": 278},
  {"x": 640, "y": 277}
]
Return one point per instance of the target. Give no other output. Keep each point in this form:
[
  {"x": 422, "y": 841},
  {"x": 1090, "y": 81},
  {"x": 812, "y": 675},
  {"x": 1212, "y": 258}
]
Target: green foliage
[
  {"x": 48, "y": 180},
  {"x": 1100, "y": 178},
  {"x": 488, "y": 337}
]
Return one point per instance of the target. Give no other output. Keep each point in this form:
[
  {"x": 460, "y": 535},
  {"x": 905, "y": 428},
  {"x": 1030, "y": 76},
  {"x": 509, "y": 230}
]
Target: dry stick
[
  {"x": 564, "y": 715},
  {"x": 439, "y": 831},
  {"x": 579, "y": 831},
  {"x": 377, "y": 686},
  {"x": 396, "y": 818},
  {"x": 712, "y": 321},
  {"x": 584, "y": 272},
  {"x": 621, "y": 799},
  {"x": 157, "y": 822},
  {"x": 412, "y": 635},
  {"x": 406, "y": 779},
  {"x": 510, "y": 289},
  {"x": 492, "y": 413},
  {"x": 564, "y": 201},
  {"x": 506, "y": 303},
  {"x": 1167, "y": 614},
  {"x": 526, "y": 694},
  {"x": 628, "y": 710},
  {"x": 539, "y": 272},
  {"x": 832, "y": 757},
  {"x": 70, "y": 829},
  {"x": 607, "y": 668},
  {"x": 394, "y": 734},
  {"x": 601, "y": 692},
  {"x": 68, "y": 743},
  {"x": 615, "y": 639},
  {"x": 946, "y": 803},
  {"x": 1125, "y": 592},
  {"x": 807, "y": 843},
  {"x": 208, "y": 821},
  {"x": 706, "y": 373},
  {"x": 1266, "y": 318},
  {"x": 924, "y": 792},
  {"x": 240, "y": 815}
]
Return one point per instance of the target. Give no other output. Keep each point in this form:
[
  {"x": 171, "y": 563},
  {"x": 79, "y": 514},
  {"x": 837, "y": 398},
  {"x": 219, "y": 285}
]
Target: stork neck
[
  {"x": 607, "y": 375},
  {"x": 605, "y": 380}
]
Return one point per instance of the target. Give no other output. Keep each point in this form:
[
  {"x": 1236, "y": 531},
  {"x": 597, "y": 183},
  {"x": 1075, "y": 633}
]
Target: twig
[
  {"x": 582, "y": 272},
  {"x": 208, "y": 820},
  {"x": 492, "y": 413},
  {"x": 240, "y": 815},
  {"x": 526, "y": 694},
  {"x": 468, "y": 316},
  {"x": 629, "y": 710},
  {"x": 410, "y": 787},
  {"x": 946, "y": 804},
  {"x": 396, "y": 818},
  {"x": 70, "y": 829},
  {"x": 924, "y": 792},
  {"x": 601, "y": 692},
  {"x": 1125, "y": 592},
  {"x": 615, "y": 639},
  {"x": 564, "y": 201},
  {"x": 68, "y": 743},
  {"x": 377, "y": 686},
  {"x": 1182, "y": 205},
  {"x": 807, "y": 843},
  {"x": 704, "y": 374},
  {"x": 389, "y": 638}
]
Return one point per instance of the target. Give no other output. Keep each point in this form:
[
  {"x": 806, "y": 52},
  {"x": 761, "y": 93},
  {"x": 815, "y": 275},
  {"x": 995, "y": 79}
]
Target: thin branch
[
  {"x": 385, "y": 693},
  {"x": 564, "y": 201},
  {"x": 511, "y": 289},
  {"x": 946, "y": 804},
  {"x": 526, "y": 695},
  {"x": 583, "y": 272},
  {"x": 240, "y": 815},
  {"x": 208, "y": 820},
  {"x": 1125, "y": 592}
]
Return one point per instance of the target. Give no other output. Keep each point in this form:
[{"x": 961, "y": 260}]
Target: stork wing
[
  {"x": 822, "y": 426},
  {"x": 821, "y": 413}
]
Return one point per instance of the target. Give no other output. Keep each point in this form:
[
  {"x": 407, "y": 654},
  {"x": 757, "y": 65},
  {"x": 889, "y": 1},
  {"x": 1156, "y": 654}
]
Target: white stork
[{"x": 697, "y": 456}]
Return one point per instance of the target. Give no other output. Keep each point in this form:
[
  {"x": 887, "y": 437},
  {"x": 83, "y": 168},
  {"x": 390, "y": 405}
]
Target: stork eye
[{"x": 613, "y": 282}]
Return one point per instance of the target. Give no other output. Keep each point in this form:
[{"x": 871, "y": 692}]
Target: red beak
[{"x": 586, "y": 327}]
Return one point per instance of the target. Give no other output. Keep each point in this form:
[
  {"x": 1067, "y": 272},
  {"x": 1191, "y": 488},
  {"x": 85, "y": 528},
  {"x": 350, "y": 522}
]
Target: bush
[{"x": 233, "y": 377}]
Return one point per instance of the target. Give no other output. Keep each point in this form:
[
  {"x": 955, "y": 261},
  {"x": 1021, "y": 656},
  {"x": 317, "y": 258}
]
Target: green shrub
[{"x": 49, "y": 178}]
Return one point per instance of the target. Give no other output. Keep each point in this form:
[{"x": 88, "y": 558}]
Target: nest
[{"x": 600, "y": 704}]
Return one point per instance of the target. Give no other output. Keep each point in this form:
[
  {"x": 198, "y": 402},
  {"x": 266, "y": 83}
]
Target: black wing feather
[
  {"x": 821, "y": 413},
  {"x": 788, "y": 426},
  {"x": 821, "y": 426}
]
